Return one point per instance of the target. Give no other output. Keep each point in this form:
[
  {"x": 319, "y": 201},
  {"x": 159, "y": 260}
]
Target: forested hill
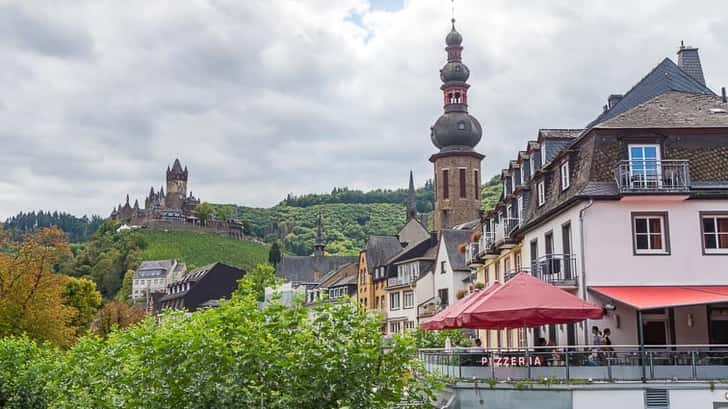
[
  {"x": 349, "y": 217},
  {"x": 77, "y": 229}
]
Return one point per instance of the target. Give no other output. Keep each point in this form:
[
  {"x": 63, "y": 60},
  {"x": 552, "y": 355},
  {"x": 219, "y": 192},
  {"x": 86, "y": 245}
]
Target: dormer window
[
  {"x": 541, "y": 193},
  {"x": 565, "y": 181}
]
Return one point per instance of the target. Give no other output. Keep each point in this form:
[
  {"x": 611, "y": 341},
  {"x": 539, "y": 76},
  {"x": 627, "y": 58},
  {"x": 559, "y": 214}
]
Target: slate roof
[
  {"x": 154, "y": 268},
  {"x": 302, "y": 269},
  {"x": 666, "y": 76},
  {"x": 558, "y": 133},
  {"x": 424, "y": 249},
  {"x": 674, "y": 110},
  {"x": 350, "y": 280},
  {"x": 196, "y": 274},
  {"x": 380, "y": 249},
  {"x": 451, "y": 239}
]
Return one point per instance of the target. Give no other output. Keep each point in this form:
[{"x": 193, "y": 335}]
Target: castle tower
[
  {"x": 176, "y": 186},
  {"x": 455, "y": 134}
]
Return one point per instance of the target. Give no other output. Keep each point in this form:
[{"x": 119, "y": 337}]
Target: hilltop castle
[{"x": 173, "y": 206}]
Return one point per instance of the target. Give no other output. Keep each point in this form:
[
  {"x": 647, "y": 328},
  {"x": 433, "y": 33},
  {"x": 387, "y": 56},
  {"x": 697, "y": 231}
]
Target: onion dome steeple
[{"x": 456, "y": 129}]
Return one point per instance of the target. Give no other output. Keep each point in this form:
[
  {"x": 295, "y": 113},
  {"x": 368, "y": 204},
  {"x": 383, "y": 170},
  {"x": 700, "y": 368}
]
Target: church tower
[
  {"x": 176, "y": 186},
  {"x": 455, "y": 134}
]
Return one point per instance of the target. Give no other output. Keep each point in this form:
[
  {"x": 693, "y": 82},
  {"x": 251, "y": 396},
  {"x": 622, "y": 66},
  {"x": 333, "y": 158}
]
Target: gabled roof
[
  {"x": 423, "y": 249},
  {"x": 666, "y": 76},
  {"x": 674, "y": 110},
  {"x": 558, "y": 133},
  {"x": 451, "y": 239},
  {"x": 380, "y": 249},
  {"x": 303, "y": 269}
]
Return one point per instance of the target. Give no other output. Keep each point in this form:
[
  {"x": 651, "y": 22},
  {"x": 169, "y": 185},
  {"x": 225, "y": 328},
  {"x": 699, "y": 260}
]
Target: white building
[{"x": 152, "y": 276}]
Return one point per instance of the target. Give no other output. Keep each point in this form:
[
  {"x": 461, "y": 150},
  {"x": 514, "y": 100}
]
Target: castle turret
[
  {"x": 176, "y": 185},
  {"x": 456, "y": 133}
]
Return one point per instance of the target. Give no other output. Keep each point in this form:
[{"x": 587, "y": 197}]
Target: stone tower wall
[
  {"x": 456, "y": 209},
  {"x": 176, "y": 193}
]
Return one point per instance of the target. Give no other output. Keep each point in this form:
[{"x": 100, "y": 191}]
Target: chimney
[
  {"x": 722, "y": 91},
  {"x": 689, "y": 60},
  {"x": 614, "y": 100}
]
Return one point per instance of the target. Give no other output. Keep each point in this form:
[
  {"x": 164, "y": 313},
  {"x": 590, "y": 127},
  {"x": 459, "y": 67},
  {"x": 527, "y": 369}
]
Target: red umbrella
[
  {"x": 525, "y": 301},
  {"x": 447, "y": 318}
]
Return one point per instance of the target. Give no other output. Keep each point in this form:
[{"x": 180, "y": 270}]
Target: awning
[{"x": 645, "y": 297}]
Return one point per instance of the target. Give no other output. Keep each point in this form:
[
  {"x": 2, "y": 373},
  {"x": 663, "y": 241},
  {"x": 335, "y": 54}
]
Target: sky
[{"x": 264, "y": 98}]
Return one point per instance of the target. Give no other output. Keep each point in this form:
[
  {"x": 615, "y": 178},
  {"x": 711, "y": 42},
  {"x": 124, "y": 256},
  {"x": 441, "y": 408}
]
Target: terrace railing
[
  {"x": 622, "y": 363},
  {"x": 650, "y": 175},
  {"x": 487, "y": 240},
  {"x": 471, "y": 253},
  {"x": 556, "y": 269}
]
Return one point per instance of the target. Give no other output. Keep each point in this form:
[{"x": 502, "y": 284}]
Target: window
[
  {"x": 394, "y": 327},
  {"x": 497, "y": 271},
  {"x": 443, "y": 295},
  {"x": 476, "y": 183},
  {"x": 507, "y": 264},
  {"x": 650, "y": 233},
  {"x": 445, "y": 184},
  {"x": 519, "y": 206},
  {"x": 541, "y": 192},
  {"x": 715, "y": 233},
  {"x": 409, "y": 299},
  {"x": 486, "y": 274},
  {"x": 394, "y": 301},
  {"x": 565, "y": 175},
  {"x": 442, "y": 267},
  {"x": 534, "y": 253},
  {"x": 410, "y": 325},
  {"x": 463, "y": 191},
  {"x": 644, "y": 165}
]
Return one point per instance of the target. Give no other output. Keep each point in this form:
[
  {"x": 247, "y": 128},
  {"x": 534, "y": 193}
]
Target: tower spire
[
  {"x": 319, "y": 247},
  {"x": 411, "y": 199}
]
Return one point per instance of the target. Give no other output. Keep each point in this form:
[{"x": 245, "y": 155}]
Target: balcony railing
[
  {"x": 399, "y": 281},
  {"x": 512, "y": 273},
  {"x": 427, "y": 310},
  {"x": 506, "y": 227},
  {"x": 556, "y": 269},
  {"x": 649, "y": 175},
  {"x": 626, "y": 363},
  {"x": 487, "y": 240},
  {"x": 471, "y": 253}
]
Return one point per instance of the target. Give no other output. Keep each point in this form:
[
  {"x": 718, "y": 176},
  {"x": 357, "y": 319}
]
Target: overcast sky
[{"x": 260, "y": 98}]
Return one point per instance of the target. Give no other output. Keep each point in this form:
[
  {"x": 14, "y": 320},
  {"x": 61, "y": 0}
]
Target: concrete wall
[
  {"x": 597, "y": 396},
  {"x": 609, "y": 253}
]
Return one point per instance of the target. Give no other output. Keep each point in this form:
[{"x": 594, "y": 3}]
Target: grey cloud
[{"x": 264, "y": 98}]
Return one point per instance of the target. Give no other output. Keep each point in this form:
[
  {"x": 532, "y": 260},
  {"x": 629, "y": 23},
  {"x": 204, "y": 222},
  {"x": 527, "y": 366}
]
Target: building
[
  {"x": 153, "y": 276},
  {"x": 308, "y": 270},
  {"x": 173, "y": 206},
  {"x": 405, "y": 270},
  {"x": 629, "y": 213},
  {"x": 455, "y": 134},
  {"x": 202, "y": 288},
  {"x": 334, "y": 286},
  {"x": 374, "y": 271}
]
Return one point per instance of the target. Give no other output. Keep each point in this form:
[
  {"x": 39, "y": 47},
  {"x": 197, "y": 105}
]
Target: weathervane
[{"x": 452, "y": 10}]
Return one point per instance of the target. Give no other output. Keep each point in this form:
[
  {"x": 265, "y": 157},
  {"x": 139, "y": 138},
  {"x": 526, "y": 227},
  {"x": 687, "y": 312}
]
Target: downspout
[{"x": 583, "y": 262}]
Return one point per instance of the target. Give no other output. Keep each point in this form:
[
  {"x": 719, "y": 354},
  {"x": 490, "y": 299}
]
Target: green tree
[
  {"x": 274, "y": 255},
  {"x": 81, "y": 294},
  {"x": 204, "y": 211},
  {"x": 255, "y": 281},
  {"x": 124, "y": 294}
]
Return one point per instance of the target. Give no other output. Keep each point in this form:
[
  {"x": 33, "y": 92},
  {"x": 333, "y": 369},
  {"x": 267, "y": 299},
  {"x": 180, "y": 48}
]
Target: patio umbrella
[
  {"x": 525, "y": 301},
  {"x": 447, "y": 318}
]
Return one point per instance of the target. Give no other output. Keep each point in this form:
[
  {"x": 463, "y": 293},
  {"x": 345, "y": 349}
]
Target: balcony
[
  {"x": 487, "y": 240},
  {"x": 652, "y": 176},
  {"x": 427, "y": 310},
  {"x": 556, "y": 269},
  {"x": 506, "y": 227},
  {"x": 471, "y": 253},
  {"x": 510, "y": 274},
  {"x": 400, "y": 281}
]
